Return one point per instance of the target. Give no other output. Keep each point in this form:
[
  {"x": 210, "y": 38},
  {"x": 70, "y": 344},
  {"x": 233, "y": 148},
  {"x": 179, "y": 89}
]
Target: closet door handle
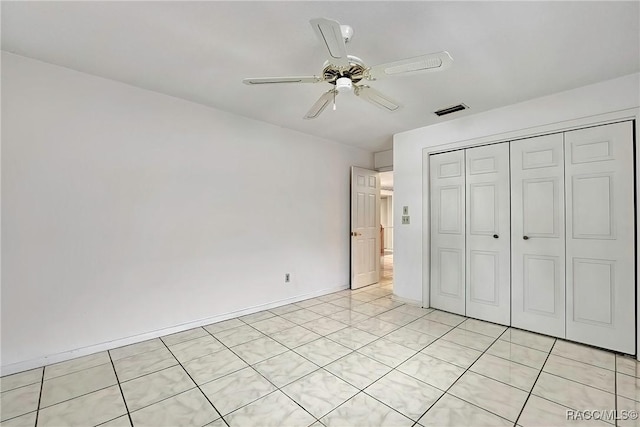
[
  {"x": 495, "y": 236},
  {"x": 525, "y": 237}
]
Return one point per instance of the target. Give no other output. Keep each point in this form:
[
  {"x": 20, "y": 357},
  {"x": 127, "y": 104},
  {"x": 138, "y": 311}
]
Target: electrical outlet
[
  {"x": 405, "y": 219},
  {"x": 287, "y": 278}
]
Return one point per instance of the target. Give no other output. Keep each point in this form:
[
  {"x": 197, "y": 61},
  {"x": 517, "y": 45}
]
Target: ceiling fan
[{"x": 348, "y": 73}]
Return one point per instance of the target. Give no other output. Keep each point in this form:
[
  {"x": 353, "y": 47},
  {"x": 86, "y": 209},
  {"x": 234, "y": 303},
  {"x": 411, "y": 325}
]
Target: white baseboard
[
  {"x": 417, "y": 302},
  {"x": 109, "y": 345}
]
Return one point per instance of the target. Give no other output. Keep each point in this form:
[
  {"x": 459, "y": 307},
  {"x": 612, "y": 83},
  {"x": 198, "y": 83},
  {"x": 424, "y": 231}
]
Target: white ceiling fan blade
[
  {"x": 330, "y": 34},
  {"x": 275, "y": 80},
  {"x": 431, "y": 62},
  {"x": 376, "y": 98},
  {"x": 321, "y": 104}
]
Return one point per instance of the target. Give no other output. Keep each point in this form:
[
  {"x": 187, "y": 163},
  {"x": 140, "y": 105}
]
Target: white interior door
[
  {"x": 447, "y": 231},
  {"x": 488, "y": 281},
  {"x": 365, "y": 227},
  {"x": 600, "y": 236},
  {"x": 538, "y": 247}
]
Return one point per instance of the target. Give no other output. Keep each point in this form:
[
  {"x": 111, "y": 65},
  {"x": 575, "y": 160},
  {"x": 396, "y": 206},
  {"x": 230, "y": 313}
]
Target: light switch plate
[{"x": 405, "y": 210}]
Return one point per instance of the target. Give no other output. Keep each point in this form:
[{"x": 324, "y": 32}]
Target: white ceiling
[{"x": 504, "y": 53}]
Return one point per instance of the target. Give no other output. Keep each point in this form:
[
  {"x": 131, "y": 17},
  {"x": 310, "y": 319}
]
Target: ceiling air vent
[{"x": 450, "y": 110}]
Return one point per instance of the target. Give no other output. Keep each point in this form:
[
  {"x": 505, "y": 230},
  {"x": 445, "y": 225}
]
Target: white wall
[
  {"x": 383, "y": 160},
  {"x": 128, "y": 214},
  {"x": 549, "y": 113}
]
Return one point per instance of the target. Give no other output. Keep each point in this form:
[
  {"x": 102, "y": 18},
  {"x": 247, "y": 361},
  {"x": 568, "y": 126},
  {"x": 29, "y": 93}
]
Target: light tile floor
[{"x": 351, "y": 358}]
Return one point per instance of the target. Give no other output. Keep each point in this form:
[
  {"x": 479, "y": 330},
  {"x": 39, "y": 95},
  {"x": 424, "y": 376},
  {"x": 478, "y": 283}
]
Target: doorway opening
[{"x": 386, "y": 229}]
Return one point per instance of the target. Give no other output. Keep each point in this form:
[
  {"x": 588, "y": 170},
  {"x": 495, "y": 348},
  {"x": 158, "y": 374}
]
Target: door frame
[{"x": 564, "y": 126}]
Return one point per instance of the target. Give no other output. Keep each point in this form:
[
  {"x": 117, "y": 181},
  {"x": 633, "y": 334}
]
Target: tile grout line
[
  {"x": 516, "y": 362},
  {"x": 79, "y": 370},
  {"x": 288, "y": 348},
  {"x": 580, "y": 382},
  {"x": 81, "y": 395},
  {"x": 361, "y": 390},
  {"x": 323, "y": 368},
  {"x": 527, "y": 331},
  {"x": 388, "y": 333},
  {"x": 499, "y": 357},
  {"x": 321, "y": 316},
  {"x": 197, "y": 385},
  {"x": 615, "y": 354},
  {"x": 276, "y": 387},
  {"x": 292, "y": 350},
  {"x": 113, "y": 366},
  {"x": 155, "y": 370},
  {"x": 589, "y": 386},
  {"x": 615, "y": 388},
  {"x": 258, "y": 372},
  {"x": 417, "y": 379},
  {"x": 188, "y": 339},
  {"x": 40, "y": 397},
  {"x": 536, "y": 381},
  {"x": 348, "y": 354},
  {"x": 461, "y": 375},
  {"x": 395, "y": 369},
  {"x": 280, "y": 389},
  {"x": 347, "y": 326},
  {"x": 496, "y": 339}
]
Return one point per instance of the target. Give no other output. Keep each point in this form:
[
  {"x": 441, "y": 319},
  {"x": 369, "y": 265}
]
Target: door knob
[
  {"x": 355, "y": 234},
  {"x": 525, "y": 237},
  {"x": 495, "y": 236}
]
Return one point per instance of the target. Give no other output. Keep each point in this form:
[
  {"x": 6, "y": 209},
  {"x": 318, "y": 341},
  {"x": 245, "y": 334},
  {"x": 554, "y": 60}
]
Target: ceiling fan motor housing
[
  {"x": 344, "y": 84},
  {"x": 355, "y": 71}
]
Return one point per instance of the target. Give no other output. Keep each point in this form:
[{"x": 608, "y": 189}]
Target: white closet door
[
  {"x": 447, "y": 231},
  {"x": 600, "y": 237},
  {"x": 488, "y": 235},
  {"x": 538, "y": 257}
]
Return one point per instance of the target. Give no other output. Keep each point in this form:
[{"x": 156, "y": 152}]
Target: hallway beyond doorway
[{"x": 386, "y": 269}]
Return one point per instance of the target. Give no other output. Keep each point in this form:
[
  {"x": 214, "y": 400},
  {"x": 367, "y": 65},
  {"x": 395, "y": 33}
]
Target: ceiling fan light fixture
[
  {"x": 344, "y": 84},
  {"x": 347, "y": 32}
]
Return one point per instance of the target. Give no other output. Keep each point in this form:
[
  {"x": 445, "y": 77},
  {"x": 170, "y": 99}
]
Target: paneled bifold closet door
[
  {"x": 600, "y": 236},
  {"x": 539, "y": 234},
  {"x": 447, "y": 231},
  {"x": 538, "y": 241},
  {"x": 487, "y": 233}
]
